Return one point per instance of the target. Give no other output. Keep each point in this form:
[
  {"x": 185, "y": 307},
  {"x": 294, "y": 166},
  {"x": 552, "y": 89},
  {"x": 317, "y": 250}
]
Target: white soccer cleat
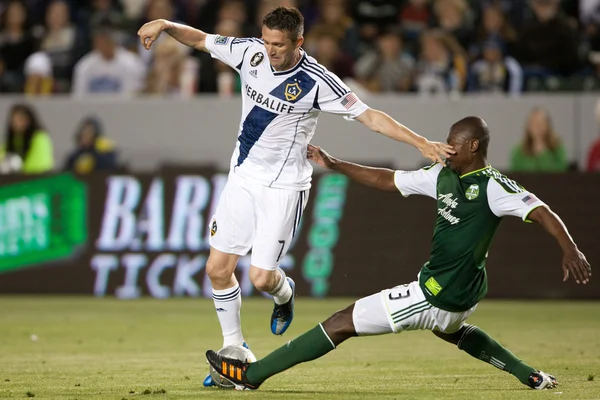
[{"x": 541, "y": 380}]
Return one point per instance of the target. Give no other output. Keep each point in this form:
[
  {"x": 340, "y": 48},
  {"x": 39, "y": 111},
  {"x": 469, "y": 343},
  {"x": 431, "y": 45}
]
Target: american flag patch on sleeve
[
  {"x": 529, "y": 199},
  {"x": 349, "y": 100}
]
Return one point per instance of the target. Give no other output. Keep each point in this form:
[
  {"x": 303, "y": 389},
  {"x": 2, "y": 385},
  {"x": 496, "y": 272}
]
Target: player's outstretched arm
[
  {"x": 380, "y": 122},
  {"x": 380, "y": 178},
  {"x": 187, "y": 35},
  {"x": 574, "y": 262}
]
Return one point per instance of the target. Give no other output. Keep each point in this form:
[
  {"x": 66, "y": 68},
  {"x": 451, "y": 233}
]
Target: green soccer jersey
[{"x": 469, "y": 210}]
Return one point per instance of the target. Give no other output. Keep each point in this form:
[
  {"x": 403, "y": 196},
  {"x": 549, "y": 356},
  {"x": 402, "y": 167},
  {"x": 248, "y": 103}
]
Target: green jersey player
[{"x": 472, "y": 198}]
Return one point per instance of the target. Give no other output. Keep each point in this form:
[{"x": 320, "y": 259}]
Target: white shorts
[
  {"x": 253, "y": 216},
  {"x": 403, "y": 308}
]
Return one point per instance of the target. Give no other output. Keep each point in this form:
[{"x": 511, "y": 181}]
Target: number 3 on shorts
[{"x": 399, "y": 292}]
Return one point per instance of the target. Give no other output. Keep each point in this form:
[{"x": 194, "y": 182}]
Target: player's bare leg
[
  {"x": 480, "y": 345},
  {"x": 281, "y": 288},
  {"x": 226, "y": 297}
]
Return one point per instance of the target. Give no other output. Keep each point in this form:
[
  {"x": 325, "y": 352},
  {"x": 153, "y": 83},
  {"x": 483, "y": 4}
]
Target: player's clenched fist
[
  {"x": 150, "y": 31},
  {"x": 319, "y": 156}
]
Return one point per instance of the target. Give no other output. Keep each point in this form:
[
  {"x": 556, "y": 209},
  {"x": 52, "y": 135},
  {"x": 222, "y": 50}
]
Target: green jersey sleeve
[{"x": 422, "y": 181}]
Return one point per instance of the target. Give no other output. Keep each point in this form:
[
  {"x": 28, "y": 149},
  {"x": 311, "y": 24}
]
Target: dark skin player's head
[{"x": 470, "y": 138}]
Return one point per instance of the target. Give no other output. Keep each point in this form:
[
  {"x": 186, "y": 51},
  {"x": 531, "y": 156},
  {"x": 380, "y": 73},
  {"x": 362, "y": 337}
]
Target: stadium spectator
[
  {"x": 371, "y": 17},
  {"x": 59, "y": 42},
  {"x": 415, "y": 17},
  {"x": 27, "y": 146},
  {"x": 442, "y": 67},
  {"x": 39, "y": 79},
  {"x": 334, "y": 21},
  {"x": 541, "y": 149},
  {"x": 593, "y": 160},
  {"x": 453, "y": 17},
  {"x": 93, "y": 151},
  {"x": 172, "y": 71},
  {"x": 493, "y": 26},
  {"x": 108, "y": 69},
  {"x": 16, "y": 44},
  {"x": 548, "y": 42},
  {"x": 236, "y": 11},
  {"x": 495, "y": 72},
  {"x": 328, "y": 52},
  {"x": 388, "y": 68}
]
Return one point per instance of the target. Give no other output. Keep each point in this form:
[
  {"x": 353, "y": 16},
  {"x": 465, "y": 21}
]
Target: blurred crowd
[
  {"x": 27, "y": 146},
  {"x": 425, "y": 46}
]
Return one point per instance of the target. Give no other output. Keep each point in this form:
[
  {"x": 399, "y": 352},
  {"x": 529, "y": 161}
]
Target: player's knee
[
  {"x": 453, "y": 337},
  {"x": 218, "y": 272},
  {"x": 263, "y": 280},
  {"x": 340, "y": 325}
]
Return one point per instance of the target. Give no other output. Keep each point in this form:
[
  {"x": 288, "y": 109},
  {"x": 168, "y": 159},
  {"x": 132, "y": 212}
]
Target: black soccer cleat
[{"x": 232, "y": 369}]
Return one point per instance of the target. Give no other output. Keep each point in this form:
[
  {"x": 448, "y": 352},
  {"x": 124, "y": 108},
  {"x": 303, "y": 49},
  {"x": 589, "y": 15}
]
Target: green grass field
[{"x": 107, "y": 349}]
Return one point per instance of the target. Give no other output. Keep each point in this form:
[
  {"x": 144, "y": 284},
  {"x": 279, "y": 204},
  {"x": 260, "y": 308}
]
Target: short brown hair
[{"x": 285, "y": 19}]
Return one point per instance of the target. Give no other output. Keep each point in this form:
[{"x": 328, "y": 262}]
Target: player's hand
[
  {"x": 150, "y": 31},
  {"x": 574, "y": 263},
  {"x": 436, "y": 151},
  {"x": 319, "y": 156}
]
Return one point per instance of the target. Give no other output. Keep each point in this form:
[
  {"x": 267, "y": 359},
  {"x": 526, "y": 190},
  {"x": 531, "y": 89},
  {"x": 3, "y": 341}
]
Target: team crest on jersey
[
  {"x": 472, "y": 192},
  {"x": 222, "y": 40},
  {"x": 213, "y": 228},
  {"x": 256, "y": 59},
  {"x": 292, "y": 91}
]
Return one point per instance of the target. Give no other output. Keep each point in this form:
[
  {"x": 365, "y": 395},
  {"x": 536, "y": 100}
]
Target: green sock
[
  {"x": 312, "y": 344},
  {"x": 481, "y": 346}
]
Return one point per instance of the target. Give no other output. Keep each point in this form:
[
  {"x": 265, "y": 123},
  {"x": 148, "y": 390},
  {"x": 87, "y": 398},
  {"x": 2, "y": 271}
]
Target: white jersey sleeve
[
  {"x": 336, "y": 98},
  {"x": 230, "y": 50},
  {"x": 422, "y": 181},
  {"x": 515, "y": 201}
]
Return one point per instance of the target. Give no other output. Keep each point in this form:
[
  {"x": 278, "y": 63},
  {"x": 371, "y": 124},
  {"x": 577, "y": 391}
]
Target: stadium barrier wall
[
  {"x": 146, "y": 234},
  {"x": 153, "y": 130}
]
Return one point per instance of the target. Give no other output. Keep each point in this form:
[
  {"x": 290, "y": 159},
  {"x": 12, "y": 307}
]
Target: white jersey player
[{"x": 283, "y": 92}]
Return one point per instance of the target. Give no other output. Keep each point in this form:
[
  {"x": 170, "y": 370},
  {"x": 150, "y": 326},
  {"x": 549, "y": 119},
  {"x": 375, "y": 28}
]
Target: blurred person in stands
[
  {"x": 39, "y": 79},
  {"x": 495, "y": 72},
  {"x": 593, "y": 161},
  {"x": 541, "y": 149},
  {"x": 388, "y": 68},
  {"x": 27, "y": 147},
  {"x": 327, "y": 50},
  {"x": 442, "y": 67},
  {"x": 172, "y": 71},
  {"x": 16, "y": 44},
  {"x": 108, "y": 69},
  {"x": 334, "y": 20},
  {"x": 157, "y": 9},
  {"x": 371, "y": 16},
  {"x": 59, "y": 41},
  {"x": 494, "y": 25},
  {"x": 548, "y": 42},
  {"x": 453, "y": 17},
  {"x": 237, "y": 11},
  {"x": 415, "y": 17},
  {"x": 93, "y": 151}
]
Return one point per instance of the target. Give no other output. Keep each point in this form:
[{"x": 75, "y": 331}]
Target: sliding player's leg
[
  {"x": 372, "y": 315},
  {"x": 477, "y": 343}
]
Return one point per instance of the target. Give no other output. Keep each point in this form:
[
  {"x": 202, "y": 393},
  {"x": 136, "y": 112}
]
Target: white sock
[
  {"x": 228, "y": 303},
  {"x": 283, "y": 291}
]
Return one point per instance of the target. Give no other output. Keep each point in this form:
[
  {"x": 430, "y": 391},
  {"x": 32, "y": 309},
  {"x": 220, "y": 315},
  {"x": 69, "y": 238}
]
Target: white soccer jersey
[{"x": 279, "y": 111}]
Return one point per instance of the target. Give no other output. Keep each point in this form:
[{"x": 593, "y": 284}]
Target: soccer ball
[{"x": 237, "y": 352}]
